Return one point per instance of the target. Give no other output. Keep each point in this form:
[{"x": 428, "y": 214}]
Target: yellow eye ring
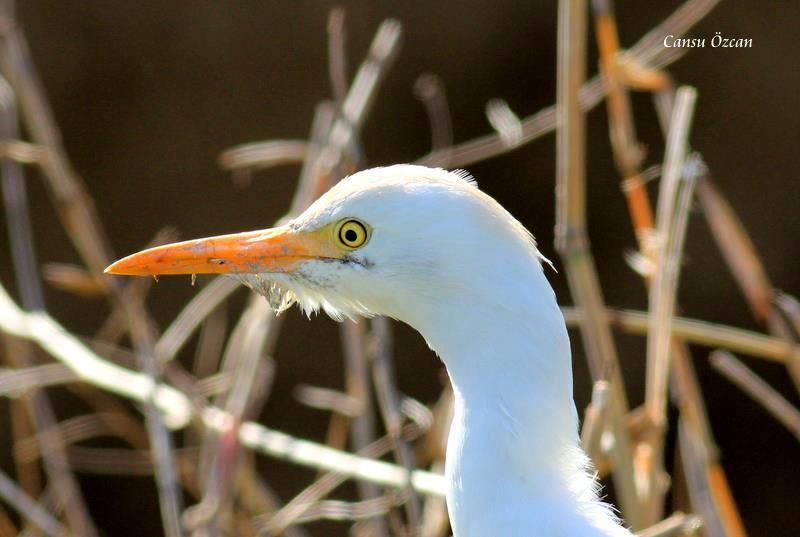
[{"x": 351, "y": 234}]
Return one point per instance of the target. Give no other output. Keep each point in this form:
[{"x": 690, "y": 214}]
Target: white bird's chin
[
  {"x": 273, "y": 287},
  {"x": 282, "y": 291}
]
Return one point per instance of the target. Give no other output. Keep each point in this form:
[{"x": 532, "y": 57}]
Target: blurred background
[{"x": 147, "y": 95}]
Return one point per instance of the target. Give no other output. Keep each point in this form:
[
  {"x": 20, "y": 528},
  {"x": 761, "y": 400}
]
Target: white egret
[{"x": 426, "y": 247}]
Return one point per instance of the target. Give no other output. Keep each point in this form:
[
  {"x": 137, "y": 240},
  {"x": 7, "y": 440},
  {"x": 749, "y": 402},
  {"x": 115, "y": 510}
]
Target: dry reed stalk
[
  {"x": 737, "y": 248},
  {"x": 672, "y": 216},
  {"x": 628, "y": 153},
  {"x": 769, "y": 306},
  {"x": 761, "y": 392},
  {"x": 78, "y": 429},
  {"x": 572, "y": 244},
  {"x": 72, "y": 279},
  {"x": 16, "y": 381},
  {"x": 31, "y": 510},
  {"x": 356, "y": 106},
  {"x": 191, "y": 316},
  {"x": 15, "y": 201},
  {"x": 337, "y": 55},
  {"x": 744, "y": 262},
  {"x": 328, "y": 400},
  {"x": 700, "y": 332},
  {"x": 27, "y": 472},
  {"x": 504, "y": 121},
  {"x": 259, "y": 499},
  {"x": 784, "y": 322},
  {"x": 429, "y": 89},
  {"x": 260, "y": 155},
  {"x": 594, "y": 420},
  {"x": 676, "y": 525}
]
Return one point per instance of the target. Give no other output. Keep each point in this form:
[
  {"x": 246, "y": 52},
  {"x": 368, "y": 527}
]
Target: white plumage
[{"x": 448, "y": 260}]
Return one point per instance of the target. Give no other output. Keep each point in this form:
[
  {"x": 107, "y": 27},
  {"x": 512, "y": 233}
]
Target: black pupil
[{"x": 350, "y": 235}]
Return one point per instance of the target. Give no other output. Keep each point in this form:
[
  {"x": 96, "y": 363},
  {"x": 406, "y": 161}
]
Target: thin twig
[
  {"x": 262, "y": 155},
  {"x": 62, "y": 345},
  {"x": 672, "y": 217},
  {"x": 28, "y": 508},
  {"x": 192, "y": 315},
  {"x": 170, "y": 499},
  {"x": 627, "y": 151},
  {"x": 784, "y": 322},
  {"x": 572, "y": 243},
  {"x": 310, "y": 454},
  {"x": 73, "y": 279},
  {"x": 504, "y": 121},
  {"x": 359, "y": 99},
  {"x": 594, "y": 420},
  {"x": 309, "y": 185},
  {"x": 704, "y": 481},
  {"x": 429, "y": 89},
  {"x": 329, "y": 400},
  {"x": 341, "y": 510},
  {"x": 337, "y": 55},
  {"x": 709, "y": 487},
  {"x": 737, "y": 248},
  {"x": 15, "y": 200},
  {"x": 675, "y": 525},
  {"x": 668, "y": 253},
  {"x": 16, "y": 381},
  {"x": 761, "y": 392}
]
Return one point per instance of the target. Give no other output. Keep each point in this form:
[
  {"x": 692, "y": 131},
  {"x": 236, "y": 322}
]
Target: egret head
[{"x": 396, "y": 241}]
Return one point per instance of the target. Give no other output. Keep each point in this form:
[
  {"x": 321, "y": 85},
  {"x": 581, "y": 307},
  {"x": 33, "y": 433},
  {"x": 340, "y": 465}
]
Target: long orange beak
[{"x": 277, "y": 250}]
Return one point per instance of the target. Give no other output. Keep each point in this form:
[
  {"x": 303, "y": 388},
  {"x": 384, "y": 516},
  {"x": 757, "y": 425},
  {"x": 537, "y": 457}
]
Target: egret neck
[{"x": 513, "y": 444}]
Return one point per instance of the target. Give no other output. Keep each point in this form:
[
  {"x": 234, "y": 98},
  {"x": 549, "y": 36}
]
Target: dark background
[{"x": 148, "y": 93}]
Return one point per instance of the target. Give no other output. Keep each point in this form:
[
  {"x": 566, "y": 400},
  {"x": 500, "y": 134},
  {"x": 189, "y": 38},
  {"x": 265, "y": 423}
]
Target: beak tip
[{"x": 120, "y": 268}]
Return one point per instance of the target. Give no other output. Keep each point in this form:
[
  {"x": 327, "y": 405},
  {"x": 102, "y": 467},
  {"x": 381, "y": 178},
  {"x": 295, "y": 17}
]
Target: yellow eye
[{"x": 351, "y": 234}]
